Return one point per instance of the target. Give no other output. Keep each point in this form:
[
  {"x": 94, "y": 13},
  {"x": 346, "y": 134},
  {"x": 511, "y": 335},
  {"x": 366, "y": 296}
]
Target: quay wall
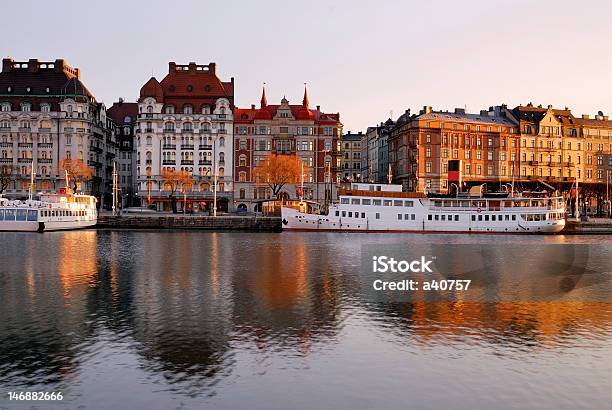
[{"x": 220, "y": 223}]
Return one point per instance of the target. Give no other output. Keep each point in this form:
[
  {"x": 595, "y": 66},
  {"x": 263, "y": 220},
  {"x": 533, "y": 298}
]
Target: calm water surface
[{"x": 178, "y": 319}]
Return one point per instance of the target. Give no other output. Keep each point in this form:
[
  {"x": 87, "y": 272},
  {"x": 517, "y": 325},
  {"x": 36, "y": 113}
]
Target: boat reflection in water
[{"x": 226, "y": 320}]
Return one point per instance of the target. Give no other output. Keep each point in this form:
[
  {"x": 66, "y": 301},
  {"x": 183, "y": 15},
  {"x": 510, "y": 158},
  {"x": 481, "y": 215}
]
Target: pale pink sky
[{"x": 360, "y": 58}]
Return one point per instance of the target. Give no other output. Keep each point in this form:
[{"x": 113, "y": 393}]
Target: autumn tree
[
  {"x": 7, "y": 175},
  {"x": 175, "y": 181},
  {"x": 77, "y": 171},
  {"x": 277, "y": 170}
]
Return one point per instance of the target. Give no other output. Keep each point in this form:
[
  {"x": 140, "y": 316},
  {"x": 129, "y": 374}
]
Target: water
[{"x": 181, "y": 319}]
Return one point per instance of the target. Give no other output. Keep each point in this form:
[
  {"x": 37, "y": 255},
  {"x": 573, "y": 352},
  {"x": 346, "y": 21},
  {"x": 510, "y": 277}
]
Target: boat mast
[
  {"x": 302, "y": 182},
  {"x": 31, "y": 181},
  {"x": 577, "y": 212},
  {"x": 389, "y": 175},
  {"x": 114, "y": 187},
  {"x": 67, "y": 181}
]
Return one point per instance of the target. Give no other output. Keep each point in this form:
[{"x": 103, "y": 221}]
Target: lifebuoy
[{"x": 479, "y": 210}]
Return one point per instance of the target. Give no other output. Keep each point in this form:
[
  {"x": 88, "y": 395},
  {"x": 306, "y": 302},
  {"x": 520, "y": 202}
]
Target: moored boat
[{"x": 384, "y": 207}]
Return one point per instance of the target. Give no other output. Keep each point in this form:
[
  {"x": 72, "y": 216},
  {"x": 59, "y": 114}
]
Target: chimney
[
  {"x": 585, "y": 116},
  {"x": 7, "y": 64},
  {"x": 252, "y": 106},
  {"x": 549, "y": 107},
  {"x": 484, "y": 113},
  {"x": 33, "y": 65},
  {"x": 171, "y": 67},
  {"x": 426, "y": 109},
  {"x": 212, "y": 68},
  {"x": 192, "y": 67},
  {"x": 460, "y": 111},
  {"x": 318, "y": 108},
  {"x": 59, "y": 65}
]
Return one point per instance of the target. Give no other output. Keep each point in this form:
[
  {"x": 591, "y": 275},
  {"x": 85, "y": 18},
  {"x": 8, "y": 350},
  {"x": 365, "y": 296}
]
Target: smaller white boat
[{"x": 51, "y": 212}]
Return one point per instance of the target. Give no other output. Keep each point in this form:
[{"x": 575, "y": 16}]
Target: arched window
[
  {"x": 149, "y": 155},
  {"x": 206, "y": 126},
  {"x": 45, "y": 107},
  {"x": 149, "y": 108},
  {"x": 221, "y": 157},
  {"x": 187, "y": 109},
  {"x": 6, "y": 107},
  {"x": 222, "y": 142},
  {"x": 205, "y": 109},
  {"x": 221, "y": 171},
  {"x": 187, "y": 126},
  {"x": 149, "y": 140},
  {"x": 242, "y": 160},
  {"x": 222, "y": 111},
  {"x": 204, "y": 186},
  {"x": 242, "y": 177},
  {"x": 169, "y": 109},
  {"x": 167, "y": 186},
  {"x": 80, "y": 155},
  {"x": 26, "y": 107},
  {"x": 169, "y": 126},
  {"x": 149, "y": 171},
  {"x": 5, "y": 124}
]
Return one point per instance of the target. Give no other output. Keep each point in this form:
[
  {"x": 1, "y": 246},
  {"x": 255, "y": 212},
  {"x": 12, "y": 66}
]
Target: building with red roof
[
  {"x": 292, "y": 129},
  {"x": 185, "y": 123}
]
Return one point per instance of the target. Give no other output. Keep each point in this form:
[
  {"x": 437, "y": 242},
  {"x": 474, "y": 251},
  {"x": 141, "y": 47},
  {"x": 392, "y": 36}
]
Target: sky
[{"x": 367, "y": 60}]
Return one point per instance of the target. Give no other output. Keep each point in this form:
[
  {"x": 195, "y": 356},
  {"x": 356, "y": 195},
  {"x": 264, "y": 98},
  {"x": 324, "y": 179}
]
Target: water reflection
[{"x": 200, "y": 315}]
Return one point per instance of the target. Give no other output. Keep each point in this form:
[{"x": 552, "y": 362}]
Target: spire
[
  {"x": 264, "y": 102},
  {"x": 305, "y": 100}
]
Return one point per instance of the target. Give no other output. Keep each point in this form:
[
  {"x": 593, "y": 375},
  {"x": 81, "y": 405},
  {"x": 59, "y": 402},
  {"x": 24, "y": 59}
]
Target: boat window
[
  {"x": 9, "y": 215},
  {"x": 450, "y": 217},
  {"x": 356, "y": 214},
  {"x": 473, "y": 217},
  {"x": 366, "y": 201},
  {"x": 399, "y": 217},
  {"x": 21, "y": 214},
  {"x": 32, "y": 215},
  {"x": 387, "y": 202},
  {"x": 377, "y": 215},
  {"x": 456, "y": 217},
  {"x": 337, "y": 213},
  {"x": 376, "y": 202},
  {"x": 355, "y": 201},
  {"x": 444, "y": 217},
  {"x": 344, "y": 200},
  {"x": 343, "y": 213},
  {"x": 438, "y": 203},
  {"x": 1, "y": 214},
  {"x": 350, "y": 214},
  {"x": 486, "y": 217},
  {"x": 363, "y": 214},
  {"x": 397, "y": 203},
  {"x": 437, "y": 217},
  {"x": 408, "y": 203},
  {"x": 413, "y": 217},
  {"x": 480, "y": 217},
  {"x": 514, "y": 217},
  {"x": 465, "y": 204},
  {"x": 406, "y": 216},
  {"x": 429, "y": 217},
  {"x": 507, "y": 217},
  {"x": 492, "y": 217}
]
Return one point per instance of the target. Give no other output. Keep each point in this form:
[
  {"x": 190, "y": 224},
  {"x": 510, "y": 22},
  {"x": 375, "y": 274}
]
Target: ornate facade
[
  {"x": 185, "y": 123},
  {"x": 48, "y": 115},
  {"x": 312, "y": 135}
]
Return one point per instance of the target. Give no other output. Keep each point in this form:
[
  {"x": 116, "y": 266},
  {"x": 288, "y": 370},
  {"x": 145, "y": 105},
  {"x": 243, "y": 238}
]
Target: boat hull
[{"x": 36, "y": 226}]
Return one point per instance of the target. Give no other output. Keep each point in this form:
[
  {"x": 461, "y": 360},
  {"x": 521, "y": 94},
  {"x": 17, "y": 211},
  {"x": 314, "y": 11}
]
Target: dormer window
[
  {"x": 149, "y": 109},
  {"x": 6, "y": 107},
  {"x": 187, "y": 109},
  {"x": 205, "y": 109},
  {"x": 26, "y": 107},
  {"x": 45, "y": 108},
  {"x": 170, "y": 109}
]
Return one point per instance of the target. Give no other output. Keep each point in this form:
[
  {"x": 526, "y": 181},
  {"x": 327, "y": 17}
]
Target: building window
[
  {"x": 169, "y": 109},
  {"x": 242, "y": 161},
  {"x": 187, "y": 109},
  {"x": 26, "y": 107},
  {"x": 242, "y": 178},
  {"x": 6, "y": 107}
]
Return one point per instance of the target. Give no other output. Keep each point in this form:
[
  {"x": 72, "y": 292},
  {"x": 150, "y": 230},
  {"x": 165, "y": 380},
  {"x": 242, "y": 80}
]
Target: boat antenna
[
  {"x": 389, "y": 175},
  {"x": 67, "y": 181}
]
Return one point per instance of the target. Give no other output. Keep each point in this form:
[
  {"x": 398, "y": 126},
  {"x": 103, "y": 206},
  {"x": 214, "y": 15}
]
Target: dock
[{"x": 179, "y": 221}]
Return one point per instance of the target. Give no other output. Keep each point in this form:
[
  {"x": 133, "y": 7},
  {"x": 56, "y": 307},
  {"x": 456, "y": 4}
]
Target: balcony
[
  {"x": 96, "y": 149},
  {"x": 149, "y": 162},
  {"x": 25, "y": 145},
  {"x": 45, "y": 145},
  {"x": 205, "y": 147},
  {"x": 222, "y": 131},
  {"x": 44, "y": 130},
  {"x": 68, "y": 129},
  {"x": 148, "y": 129},
  {"x": 168, "y": 162},
  {"x": 25, "y": 129},
  {"x": 187, "y": 130},
  {"x": 95, "y": 164},
  {"x": 80, "y": 129},
  {"x": 534, "y": 163},
  {"x": 205, "y": 162},
  {"x": 169, "y": 146},
  {"x": 27, "y": 160},
  {"x": 6, "y": 144},
  {"x": 222, "y": 115},
  {"x": 5, "y": 128},
  {"x": 169, "y": 130},
  {"x": 45, "y": 160},
  {"x": 186, "y": 162},
  {"x": 186, "y": 146},
  {"x": 6, "y": 160},
  {"x": 145, "y": 115}
]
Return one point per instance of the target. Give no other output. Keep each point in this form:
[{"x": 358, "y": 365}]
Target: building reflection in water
[{"x": 188, "y": 304}]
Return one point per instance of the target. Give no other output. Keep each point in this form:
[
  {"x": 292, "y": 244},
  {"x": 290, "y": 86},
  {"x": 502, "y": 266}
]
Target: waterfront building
[
  {"x": 47, "y": 115},
  {"x": 483, "y": 146},
  {"x": 294, "y": 129},
  {"x": 124, "y": 115},
  {"x": 375, "y": 152},
  {"x": 185, "y": 124},
  {"x": 350, "y": 147}
]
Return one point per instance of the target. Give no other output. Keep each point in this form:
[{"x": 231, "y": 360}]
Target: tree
[
  {"x": 277, "y": 170},
  {"x": 77, "y": 171},
  {"x": 7, "y": 175},
  {"x": 176, "y": 180}
]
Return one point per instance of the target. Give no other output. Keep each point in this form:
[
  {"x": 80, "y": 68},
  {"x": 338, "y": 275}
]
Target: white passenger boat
[
  {"x": 51, "y": 212},
  {"x": 384, "y": 207}
]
